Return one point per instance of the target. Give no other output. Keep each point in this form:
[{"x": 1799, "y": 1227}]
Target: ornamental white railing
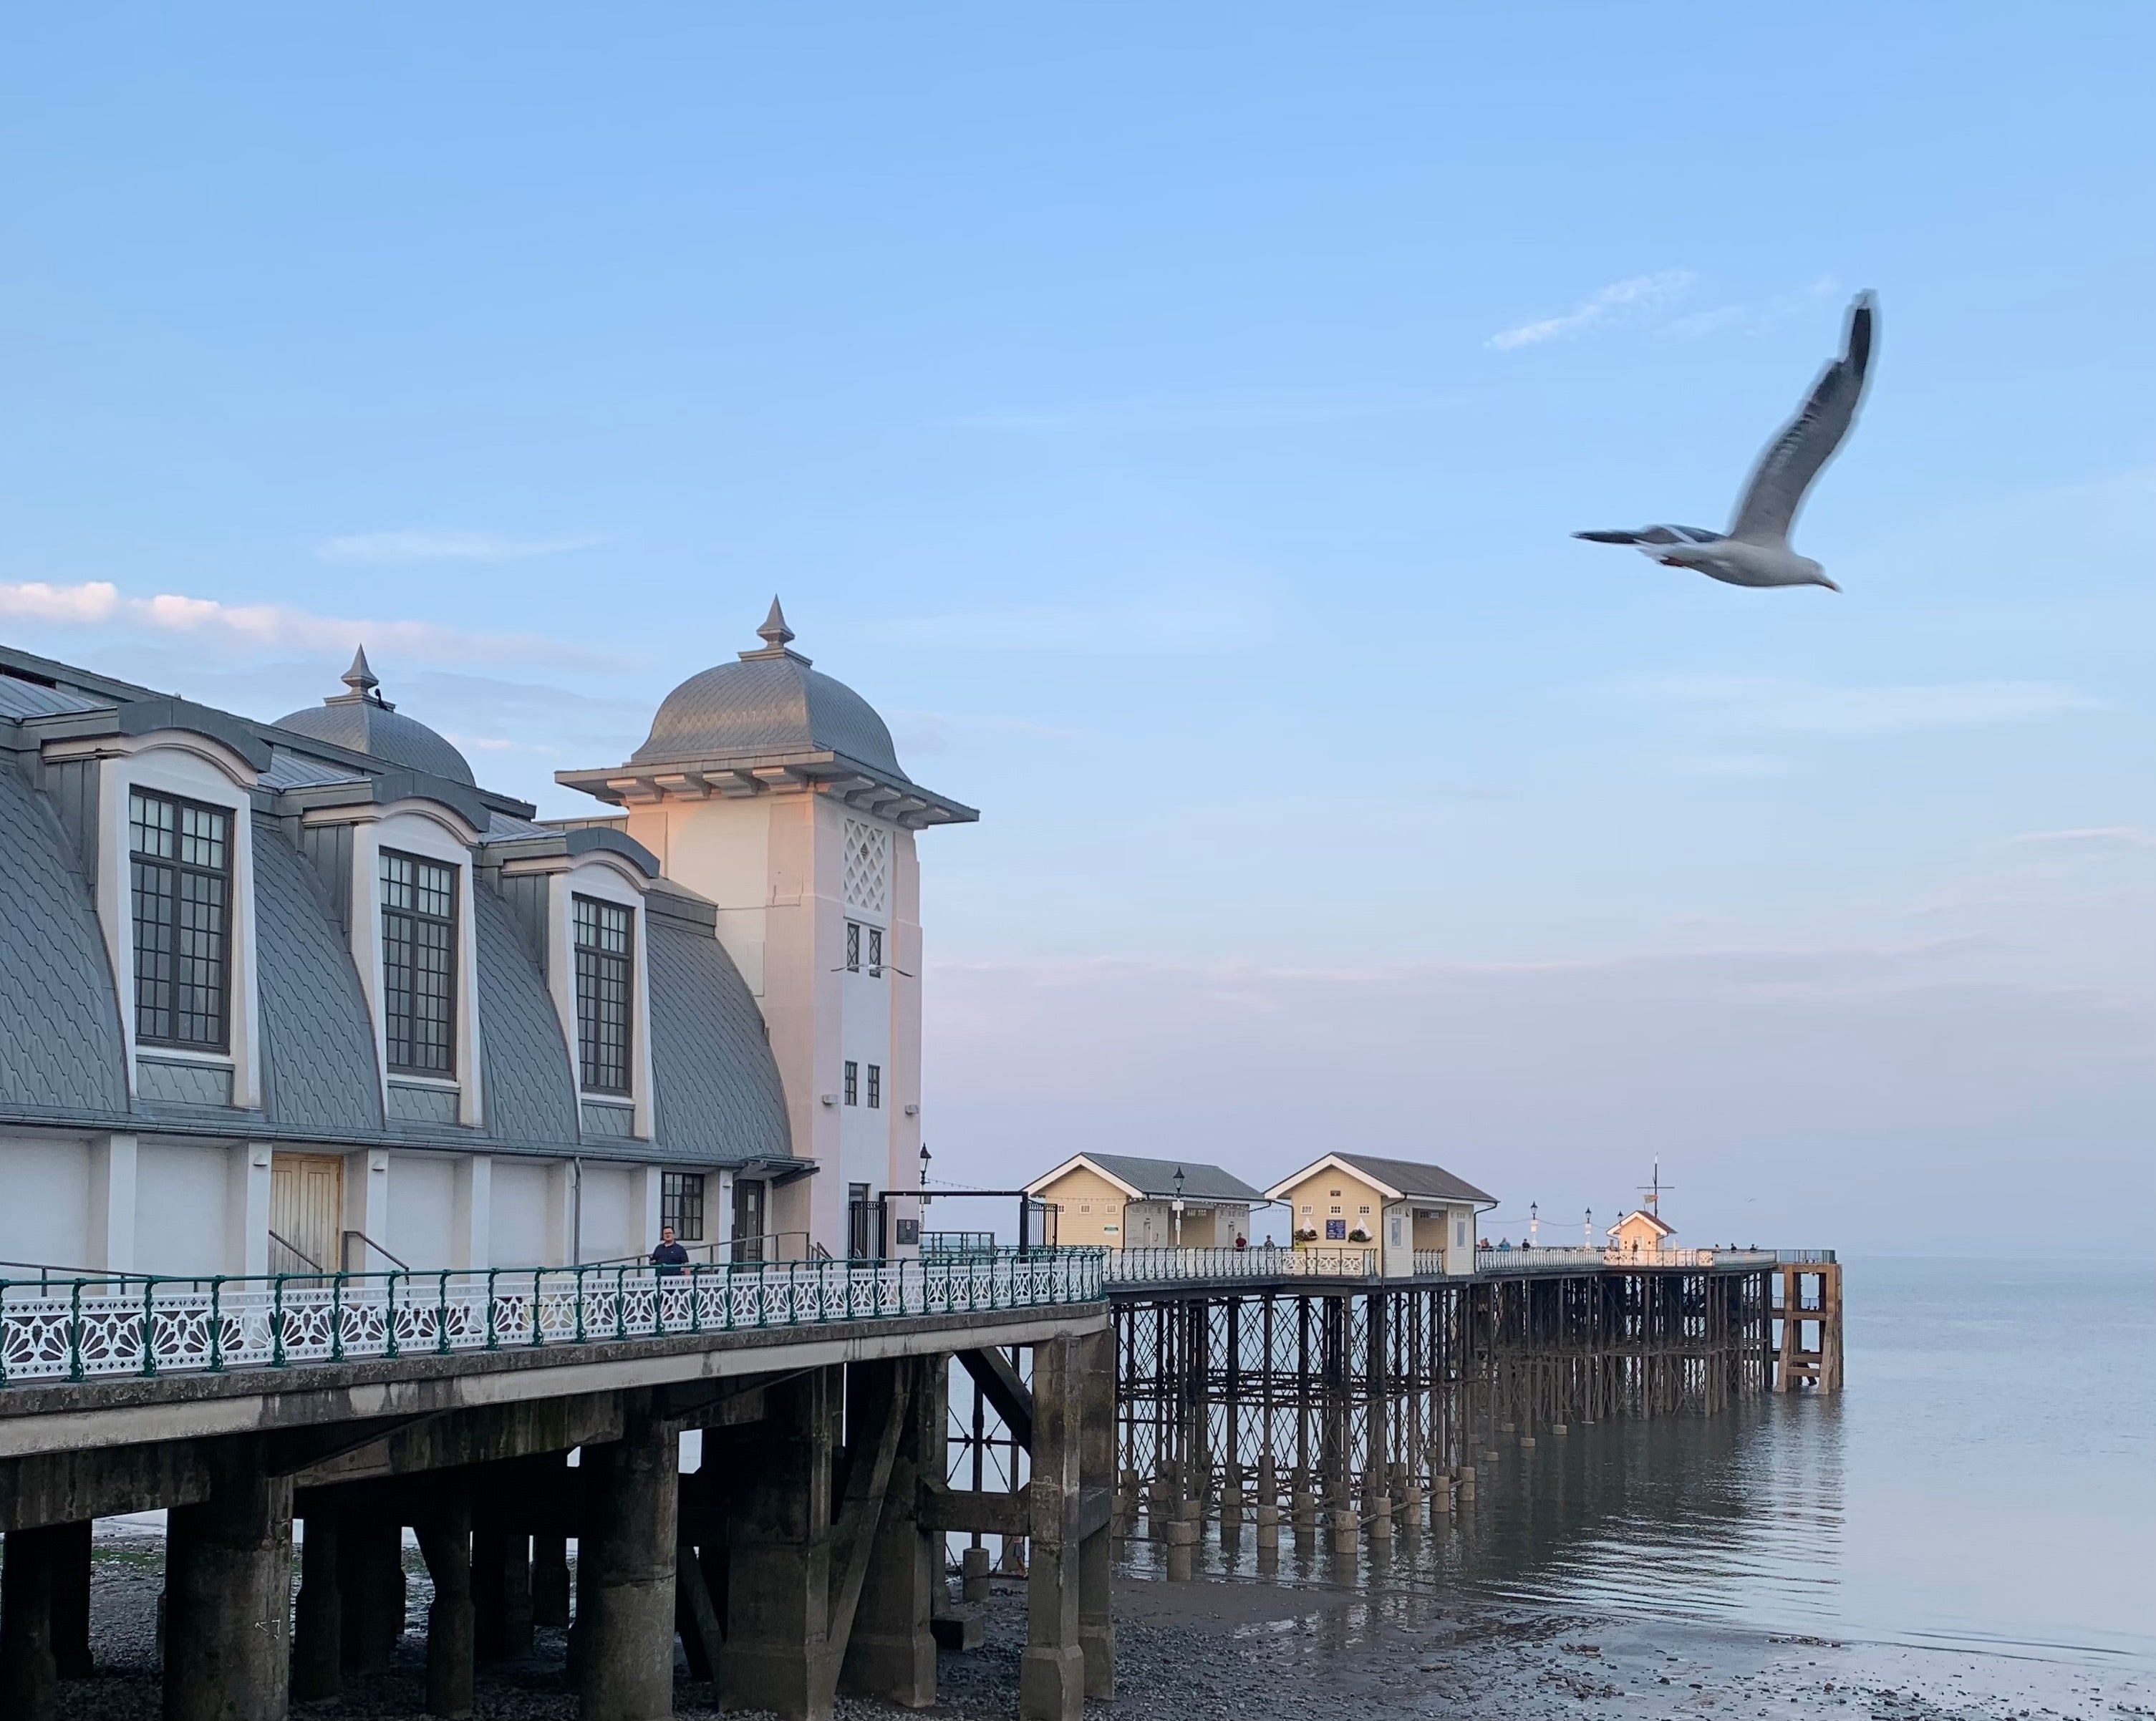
[
  {"x": 1584, "y": 1260},
  {"x": 1163, "y": 1266},
  {"x": 86, "y": 1327}
]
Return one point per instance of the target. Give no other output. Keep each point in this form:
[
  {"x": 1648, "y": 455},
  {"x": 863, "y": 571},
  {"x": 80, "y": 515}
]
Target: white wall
[
  {"x": 422, "y": 1202},
  {"x": 517, "y": 1224},
  {"x": 44, "y": 1203},
  {"x": 613, "y": 1212},
  {"x": 180, "y": 1204}
]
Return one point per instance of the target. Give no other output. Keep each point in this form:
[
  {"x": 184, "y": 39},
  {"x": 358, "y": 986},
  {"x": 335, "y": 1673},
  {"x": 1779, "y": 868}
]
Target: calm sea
[{"x": 1987, "y": 1481}]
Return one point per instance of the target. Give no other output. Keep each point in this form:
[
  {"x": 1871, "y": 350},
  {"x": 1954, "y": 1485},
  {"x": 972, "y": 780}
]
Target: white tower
[{"x": 774, "y": 791}]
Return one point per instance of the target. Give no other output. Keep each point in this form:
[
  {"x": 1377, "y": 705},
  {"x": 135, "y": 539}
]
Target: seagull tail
[{"x": 1608, "y": 537}]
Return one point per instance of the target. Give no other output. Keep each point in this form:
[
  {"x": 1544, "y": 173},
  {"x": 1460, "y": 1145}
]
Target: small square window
[{"x": 852, "y": 1083}]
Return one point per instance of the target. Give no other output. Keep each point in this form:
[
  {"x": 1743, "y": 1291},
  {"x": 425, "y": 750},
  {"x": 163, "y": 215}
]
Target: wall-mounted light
[{"x": 829, "y": 1098}]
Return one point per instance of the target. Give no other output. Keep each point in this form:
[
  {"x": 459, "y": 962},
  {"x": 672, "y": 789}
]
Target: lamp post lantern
[
  {"x": 1175, "y": 1206},
  {"x": 924, "y": 1172},
  {"x": 1587, "y": 1231},
  {"x": 1534, "y": 1224}
]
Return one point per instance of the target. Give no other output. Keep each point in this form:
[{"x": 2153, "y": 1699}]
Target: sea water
[{"x": 1986, "y": 1481}]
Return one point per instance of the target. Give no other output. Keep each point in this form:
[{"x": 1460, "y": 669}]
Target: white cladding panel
[
  {"x": 519, "y": 1220},
  {"x": 613, "y": 1212},
  {"x": 422, "y": 1198},
  {"x": 180, "y": 1208},
  {"x": 45, "y": 1204}
]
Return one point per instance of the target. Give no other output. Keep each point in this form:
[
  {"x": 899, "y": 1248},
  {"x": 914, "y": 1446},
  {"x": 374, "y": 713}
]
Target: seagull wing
[{"x": 1785, "y": 471}]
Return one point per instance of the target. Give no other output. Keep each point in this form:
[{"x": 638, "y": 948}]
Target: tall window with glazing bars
[
  {"x": 605, "y": 952},
  {"x": 419, "y": 963},
  {"x": 182, "y": 863}
]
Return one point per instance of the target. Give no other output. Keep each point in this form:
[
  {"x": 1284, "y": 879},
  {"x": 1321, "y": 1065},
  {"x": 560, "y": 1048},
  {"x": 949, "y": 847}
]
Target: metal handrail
[
  {"x": 117, "y": 1323},
  {"x": 344, "y": 1249}
]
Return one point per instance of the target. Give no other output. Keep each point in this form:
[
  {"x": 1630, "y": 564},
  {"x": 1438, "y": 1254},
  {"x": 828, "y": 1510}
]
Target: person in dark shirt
[{"x": 670, "y": 1257}]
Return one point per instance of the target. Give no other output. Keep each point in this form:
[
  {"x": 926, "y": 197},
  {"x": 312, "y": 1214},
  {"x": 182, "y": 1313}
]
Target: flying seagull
[{"x": 1755, "y": 551}]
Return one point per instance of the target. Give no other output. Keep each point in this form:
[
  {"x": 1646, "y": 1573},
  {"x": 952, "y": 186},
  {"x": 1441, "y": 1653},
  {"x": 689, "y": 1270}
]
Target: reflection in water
[
  {"x": 1733, "y": 1518},
  {"x": 2009, "y": 1504}
]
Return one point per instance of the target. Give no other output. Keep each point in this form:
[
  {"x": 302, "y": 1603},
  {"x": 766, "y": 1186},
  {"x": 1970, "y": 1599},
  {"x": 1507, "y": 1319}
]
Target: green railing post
[
  {"x": 442, "y": 1315},
  {"x": 217, "y": 1325},
  {"x": 389, "y": 1324},
  {"x": 493, "y": 1332},
  {"x": 149, "y": 1326},
  {"x": 621, "y": 1303},
  {"x": 75, "y": 1334},
  {"x": 580, "y": 1305},
  {"x": 535, "y": 1272}
]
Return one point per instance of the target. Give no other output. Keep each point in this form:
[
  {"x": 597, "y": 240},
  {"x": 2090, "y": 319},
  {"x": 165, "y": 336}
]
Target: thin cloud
[
  {"x": 1170, "y": 415},
  {"x": 1162, "y": 626},
  {"x": 1626, "y": 297},
  {"x": 1752, "y": 319},
  {"x": 415, "y": 544},
  {"x": 1789, "y": 706},
  {"x": 2106, "y": 839},
  {"x": 99, "y": 603}
]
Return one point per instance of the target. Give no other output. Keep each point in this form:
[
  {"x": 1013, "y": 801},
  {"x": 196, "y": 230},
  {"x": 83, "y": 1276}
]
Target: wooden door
[{"x": 306, "y": 1212}]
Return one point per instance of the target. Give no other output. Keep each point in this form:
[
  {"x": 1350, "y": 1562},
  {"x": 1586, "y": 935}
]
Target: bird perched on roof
[{"x": 1755, "y": 551}]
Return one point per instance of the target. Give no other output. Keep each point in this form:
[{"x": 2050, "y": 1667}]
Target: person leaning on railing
[{"x": 670, "y": 1257}]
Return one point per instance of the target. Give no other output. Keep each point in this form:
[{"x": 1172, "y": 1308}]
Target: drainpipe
[{"x": 577, "y": 1211}]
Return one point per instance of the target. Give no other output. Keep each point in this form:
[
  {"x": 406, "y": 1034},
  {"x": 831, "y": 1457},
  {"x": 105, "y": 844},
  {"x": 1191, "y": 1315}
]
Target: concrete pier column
[
  {"x": 890, "y": 1652},
  {"x": 1097, "y": 1469},
  {"x": 445, "y": 1538},
  {"x": 318, "y": 1617},
  {"x": 1051, "y": 1679},
  {"x": 71, "y": 1600},
  {"x": 778, "y": 1529},
  {"x": 626, "y": 1561},
  {"x": 29, "y": 1672},
  {"x": 228, "y": 1595},
  {"x": 973, "y": 1574},
  {"x": 1268, "y": 1512},
  {"x": 501, "y": 1592},
  {"x": 550, "y": 1581},
  {"x": 370, "y": 1553}
]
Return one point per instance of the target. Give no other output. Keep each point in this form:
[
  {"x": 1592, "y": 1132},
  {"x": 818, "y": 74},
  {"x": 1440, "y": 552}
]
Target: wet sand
[{"x": 1283, "y": 1648}]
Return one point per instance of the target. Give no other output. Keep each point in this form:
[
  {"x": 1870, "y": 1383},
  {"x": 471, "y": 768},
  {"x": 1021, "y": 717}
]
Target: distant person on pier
[
  {"x": 1241, "y": 1242},
  {"x": 670, "y": 1257}
]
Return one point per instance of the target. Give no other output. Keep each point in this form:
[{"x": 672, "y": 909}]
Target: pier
[{"x": 1270, "y": 1378}]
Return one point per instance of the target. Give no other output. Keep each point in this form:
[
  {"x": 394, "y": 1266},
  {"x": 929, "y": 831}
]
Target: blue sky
[{"x": 1172, "y": 419}]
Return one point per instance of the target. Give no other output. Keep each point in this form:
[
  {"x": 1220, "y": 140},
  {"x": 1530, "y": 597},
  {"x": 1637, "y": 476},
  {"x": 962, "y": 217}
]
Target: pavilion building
[{"x": 305, "y": 995}]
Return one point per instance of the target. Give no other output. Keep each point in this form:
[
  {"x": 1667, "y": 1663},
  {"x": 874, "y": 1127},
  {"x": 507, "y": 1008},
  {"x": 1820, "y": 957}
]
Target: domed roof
[
  {"x": 770, "y": 702},
  {"x": 365, "y": 722}
]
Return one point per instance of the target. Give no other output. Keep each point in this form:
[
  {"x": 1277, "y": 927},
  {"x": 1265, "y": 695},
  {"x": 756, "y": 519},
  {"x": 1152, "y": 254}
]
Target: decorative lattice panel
[{"x": 868, "y": 867}]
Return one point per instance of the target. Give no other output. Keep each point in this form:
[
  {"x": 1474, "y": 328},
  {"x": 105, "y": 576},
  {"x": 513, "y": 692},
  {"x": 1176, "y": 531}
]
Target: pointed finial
[
  {"x": 362, "y": 682},
  {"x": 359, "y": 677},
  {"x": 774, "y": 632}
]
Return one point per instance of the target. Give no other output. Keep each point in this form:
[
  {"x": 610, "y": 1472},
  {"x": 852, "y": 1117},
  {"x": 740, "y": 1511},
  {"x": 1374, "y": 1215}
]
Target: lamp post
[
  {"x": 1534, "y": 1223},
  {"x": 924, "y": 1173},
  {"x": 1587, "y": 1231},
  {"x": 1175, "y": 1206}
]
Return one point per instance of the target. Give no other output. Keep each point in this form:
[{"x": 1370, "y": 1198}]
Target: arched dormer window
[
  {"x": 408, "y": 863},
  {"x": 165, "y": 793}
]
